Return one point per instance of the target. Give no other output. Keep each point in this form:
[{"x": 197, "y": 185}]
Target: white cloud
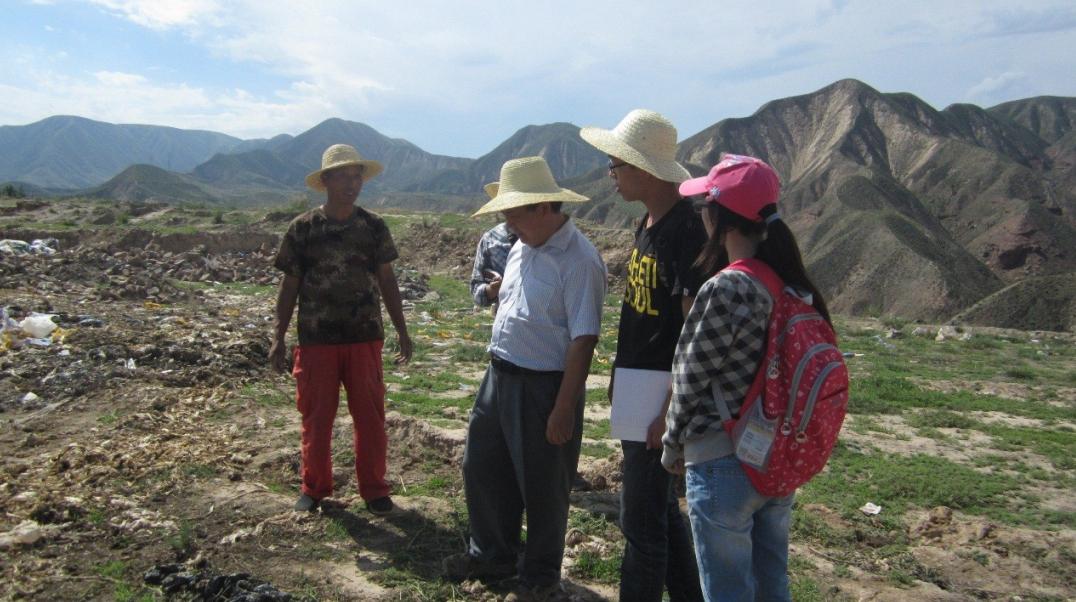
[
  {"x": 162, "y": 14},
  {"x": 117, "y": 79},
  {"x": 989, "y": 88},
  {"x": 445, "y": 75}
]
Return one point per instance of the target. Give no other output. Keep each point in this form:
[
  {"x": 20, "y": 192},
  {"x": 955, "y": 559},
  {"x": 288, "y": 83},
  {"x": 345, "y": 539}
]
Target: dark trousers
[
  {"x": 658, "y": 552},
  {"x": 509, "y": 468}
]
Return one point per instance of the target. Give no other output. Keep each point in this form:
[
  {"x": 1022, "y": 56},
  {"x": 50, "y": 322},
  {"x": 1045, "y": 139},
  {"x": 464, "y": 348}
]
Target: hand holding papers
[{"x": 638, "y": 396}]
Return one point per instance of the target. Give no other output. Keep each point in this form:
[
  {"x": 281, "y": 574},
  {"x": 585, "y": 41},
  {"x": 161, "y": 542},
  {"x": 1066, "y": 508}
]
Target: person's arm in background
[{"x": 480, "y": 288}]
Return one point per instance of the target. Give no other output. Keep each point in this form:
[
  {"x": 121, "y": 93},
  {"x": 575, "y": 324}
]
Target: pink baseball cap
[{"x": 738, "y": 182}]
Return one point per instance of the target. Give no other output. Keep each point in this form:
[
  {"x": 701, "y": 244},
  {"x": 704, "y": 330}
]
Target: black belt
[{"x": 507, "y": 366}]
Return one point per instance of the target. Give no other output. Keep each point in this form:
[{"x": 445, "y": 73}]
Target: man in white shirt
[{"x": 526, "y": 427}]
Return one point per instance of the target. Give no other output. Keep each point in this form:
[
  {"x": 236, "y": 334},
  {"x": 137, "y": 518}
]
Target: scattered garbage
[
  {"x": 870, "y": 509},
  {"x": 27, "y": 532},
  {"x": 884, "y": 343},
  {"x": 946, "y": 332},
  {"x": 14, "y": 247},
  {"x": 204, "y": 584},
  {"x": 43, "y": 246},
  {"x": 38, "y": 325}
]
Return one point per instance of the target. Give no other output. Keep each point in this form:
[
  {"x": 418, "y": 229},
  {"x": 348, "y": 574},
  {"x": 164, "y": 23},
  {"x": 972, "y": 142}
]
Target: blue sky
[{"x": 458, "y": 78}]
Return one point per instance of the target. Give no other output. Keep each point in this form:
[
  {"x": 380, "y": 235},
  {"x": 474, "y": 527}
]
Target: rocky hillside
[
  {"x": 901, "y": 208},
  {"x": 74, "y": 152},
  {"x": 559, "y": 143}
]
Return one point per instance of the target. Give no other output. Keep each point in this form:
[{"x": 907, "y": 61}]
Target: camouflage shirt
[{"x": 336, "y": 263}]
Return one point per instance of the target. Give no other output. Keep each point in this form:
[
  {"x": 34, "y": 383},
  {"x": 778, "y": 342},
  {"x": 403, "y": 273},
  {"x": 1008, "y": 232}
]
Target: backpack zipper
[
  {"x": 813, "y": 398},
  {"x": 786, "y": 427}
]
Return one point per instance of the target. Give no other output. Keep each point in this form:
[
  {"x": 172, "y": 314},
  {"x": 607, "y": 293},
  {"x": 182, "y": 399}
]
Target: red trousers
[{"x": 319, "y": 371}]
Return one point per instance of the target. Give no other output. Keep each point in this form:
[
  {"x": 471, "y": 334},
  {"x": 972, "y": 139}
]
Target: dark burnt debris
[{"x": 205, "y": 584}]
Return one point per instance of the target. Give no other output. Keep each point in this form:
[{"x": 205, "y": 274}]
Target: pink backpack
[{"x": 789, "y": 421}]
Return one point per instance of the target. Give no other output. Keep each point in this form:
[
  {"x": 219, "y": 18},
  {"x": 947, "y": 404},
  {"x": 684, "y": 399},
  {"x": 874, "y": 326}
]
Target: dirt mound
[{"x": 1042, "y": 303}]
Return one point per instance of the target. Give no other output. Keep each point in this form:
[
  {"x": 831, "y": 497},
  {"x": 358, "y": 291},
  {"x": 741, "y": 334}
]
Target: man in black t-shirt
[{"x": 661, "y": 286}]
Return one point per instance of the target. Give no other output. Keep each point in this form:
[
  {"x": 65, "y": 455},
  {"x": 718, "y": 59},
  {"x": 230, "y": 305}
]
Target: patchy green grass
[
  {"x": 898, "y": 483},
  {"x": 596, "y": 450},
  {"x": 265, "y": 394},
  {"x": 895, "y": 394},
  {"x": 596, "y": 429}
]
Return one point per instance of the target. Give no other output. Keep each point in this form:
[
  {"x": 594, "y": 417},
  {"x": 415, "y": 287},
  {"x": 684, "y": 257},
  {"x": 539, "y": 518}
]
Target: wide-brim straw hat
[
  {"x": 644, "y": 139},
  {"x": 491, "y": 189},
  {"x": 527, "y": 181},
  {"x": 342, "y": 155}
]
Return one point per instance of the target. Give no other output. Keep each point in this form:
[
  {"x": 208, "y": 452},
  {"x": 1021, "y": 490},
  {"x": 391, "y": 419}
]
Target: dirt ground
[{"x": 148, "y": 435}]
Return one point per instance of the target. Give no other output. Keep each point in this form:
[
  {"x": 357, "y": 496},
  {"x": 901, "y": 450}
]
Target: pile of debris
[
  {"x": 40, "y": 246},
  {"x": 137, "y": 274},
  {"x": 175, "y": 579}
]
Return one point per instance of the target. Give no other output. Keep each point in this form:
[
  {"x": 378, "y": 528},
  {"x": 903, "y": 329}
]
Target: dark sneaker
[
  {"x": 306, "y": 504},
  {"x": 461, "y": 567},
  {"x": 381, "y": 506},
  {"x": 541, "y": 593}
]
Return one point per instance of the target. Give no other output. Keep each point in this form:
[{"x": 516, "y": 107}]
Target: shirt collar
[{"x": 562, "y": 236}]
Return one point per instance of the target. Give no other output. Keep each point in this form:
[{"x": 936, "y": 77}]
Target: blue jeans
[
  {"x": 741, "y": 536},
  {"x": 657, "y": 547}
]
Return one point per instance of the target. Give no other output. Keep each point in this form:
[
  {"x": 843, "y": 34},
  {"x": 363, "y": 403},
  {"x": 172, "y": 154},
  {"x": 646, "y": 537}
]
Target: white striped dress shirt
[{"x": 550, "y": 295}]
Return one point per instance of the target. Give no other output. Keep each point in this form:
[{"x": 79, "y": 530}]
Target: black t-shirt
[{"x": 660, "y": 273}]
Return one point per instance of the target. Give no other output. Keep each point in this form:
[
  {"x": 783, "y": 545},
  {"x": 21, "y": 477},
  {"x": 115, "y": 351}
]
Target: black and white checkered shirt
[{"x": 723, "y": 340}]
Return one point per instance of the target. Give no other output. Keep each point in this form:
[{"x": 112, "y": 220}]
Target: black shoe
[
  {"x": 306, "y": 504},
  {"x": 381, "y": 506}
]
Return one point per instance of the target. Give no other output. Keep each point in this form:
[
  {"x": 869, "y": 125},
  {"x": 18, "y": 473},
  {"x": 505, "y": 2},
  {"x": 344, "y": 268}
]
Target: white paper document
[{"x": 638, "y": 396}]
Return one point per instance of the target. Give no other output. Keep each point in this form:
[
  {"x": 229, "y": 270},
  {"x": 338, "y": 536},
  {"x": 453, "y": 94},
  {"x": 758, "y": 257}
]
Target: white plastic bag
[{"x": 38, "y": 326}]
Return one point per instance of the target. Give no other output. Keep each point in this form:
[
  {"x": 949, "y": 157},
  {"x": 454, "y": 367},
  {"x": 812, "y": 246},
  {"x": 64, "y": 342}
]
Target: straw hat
[
  {"x": 491, "y": 189},
  {"x": 527, "y": 181},
  {"x": 644, "y": 139},
  {"x": 342, "y": 155}
]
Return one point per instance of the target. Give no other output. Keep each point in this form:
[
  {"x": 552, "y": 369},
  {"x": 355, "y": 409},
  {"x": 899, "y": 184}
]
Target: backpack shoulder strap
[
  {"x": 764, "y": 274},
  {"x": 757, "y": 269}
]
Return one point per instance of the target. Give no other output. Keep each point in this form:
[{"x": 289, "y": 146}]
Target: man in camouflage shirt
[{"x": 337, "y": 263}]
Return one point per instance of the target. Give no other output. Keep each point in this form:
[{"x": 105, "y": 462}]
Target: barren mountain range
[{"x": 901, "y": 209}]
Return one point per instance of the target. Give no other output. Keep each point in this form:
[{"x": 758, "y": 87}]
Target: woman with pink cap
[{"x": 741, "y": 536}]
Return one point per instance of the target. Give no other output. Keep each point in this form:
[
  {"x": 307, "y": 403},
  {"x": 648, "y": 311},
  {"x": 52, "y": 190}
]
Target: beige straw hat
[
  {"x": 644, "y": 139},
  {"x": 527, "y": 181},
  {"x": 342, "y": 155},
  {"x": 491, "y": 189}
]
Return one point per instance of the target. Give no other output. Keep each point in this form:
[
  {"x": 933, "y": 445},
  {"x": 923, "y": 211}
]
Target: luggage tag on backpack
[{"x": 753, "y": 437}]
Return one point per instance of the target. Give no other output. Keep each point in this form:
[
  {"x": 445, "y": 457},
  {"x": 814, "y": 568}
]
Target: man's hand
[
  {"x": 493, "y": 288},
  {"x": 278, "y": 356},
  {"x": 560, "y": 426},
  {"x": 404, "y": 354},
  {"x": 654, "y": 432}
]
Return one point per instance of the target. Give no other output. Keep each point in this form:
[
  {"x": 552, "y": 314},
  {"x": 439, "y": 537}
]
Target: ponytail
[{"x": 778, "y": 249}]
